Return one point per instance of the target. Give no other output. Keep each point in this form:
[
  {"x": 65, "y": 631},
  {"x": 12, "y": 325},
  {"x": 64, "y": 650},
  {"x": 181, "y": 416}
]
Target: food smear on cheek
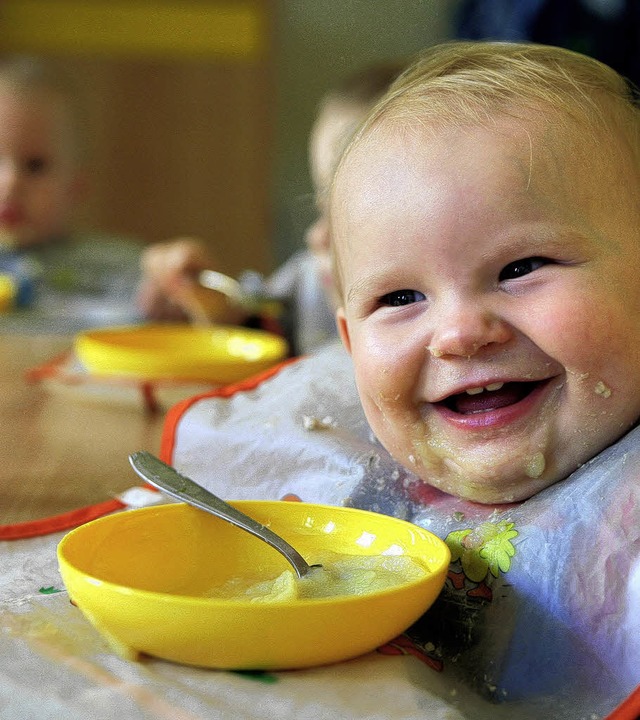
[
  {"x": 602, "y": 389},
  {"x": 340, "y": 575}
]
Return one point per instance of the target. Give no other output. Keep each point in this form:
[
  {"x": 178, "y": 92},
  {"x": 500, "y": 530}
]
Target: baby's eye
[
  {"x": 35, "y": 165},
  {"x": 401, "y": 297},
  {"x": 522, "y": 267}
]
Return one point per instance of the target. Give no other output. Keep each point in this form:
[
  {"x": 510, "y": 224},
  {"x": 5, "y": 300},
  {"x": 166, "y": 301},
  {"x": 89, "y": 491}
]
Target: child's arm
[{"x": 169, "y": 287}]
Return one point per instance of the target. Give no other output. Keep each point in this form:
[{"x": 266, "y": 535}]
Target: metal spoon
[
  {"x": 166, "y": 478},
  {"x": 224, "y": 284},
  {"x": 250, "y": 295}
]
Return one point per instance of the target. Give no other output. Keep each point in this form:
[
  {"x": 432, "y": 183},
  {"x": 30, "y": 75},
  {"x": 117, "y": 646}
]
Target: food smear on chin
[{"x": 535, "y": 465}]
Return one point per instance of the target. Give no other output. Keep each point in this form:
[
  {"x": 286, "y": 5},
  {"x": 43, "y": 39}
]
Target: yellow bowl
[
  {"x": 143, "y": 578},
  {"x": 219, "y": 354}
]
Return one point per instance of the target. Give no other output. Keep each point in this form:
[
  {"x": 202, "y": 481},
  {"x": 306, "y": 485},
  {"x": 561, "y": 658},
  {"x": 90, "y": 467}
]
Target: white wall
[{"x": 317, "y": 43}]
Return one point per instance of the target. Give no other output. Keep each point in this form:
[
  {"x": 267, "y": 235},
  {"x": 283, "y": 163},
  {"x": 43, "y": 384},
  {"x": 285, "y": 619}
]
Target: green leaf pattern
[{"x": 483, "y": 550}]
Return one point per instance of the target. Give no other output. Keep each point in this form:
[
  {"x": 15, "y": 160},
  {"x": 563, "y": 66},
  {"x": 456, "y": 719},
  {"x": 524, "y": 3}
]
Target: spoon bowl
[{"x": 146, "y": 579}]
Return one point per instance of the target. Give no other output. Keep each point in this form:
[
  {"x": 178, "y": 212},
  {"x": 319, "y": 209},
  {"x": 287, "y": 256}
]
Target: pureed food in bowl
[
  {"x": 336, "y": 575},
  {"x": 146, "y": 579}
]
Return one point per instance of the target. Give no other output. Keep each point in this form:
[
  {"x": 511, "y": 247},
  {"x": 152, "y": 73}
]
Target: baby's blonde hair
[
  {"x": 27, "y": 72},
  {"x": 458, "y": 83},
  {"x": 473, "y": 83},
  {"x": 29, "y": 75}
]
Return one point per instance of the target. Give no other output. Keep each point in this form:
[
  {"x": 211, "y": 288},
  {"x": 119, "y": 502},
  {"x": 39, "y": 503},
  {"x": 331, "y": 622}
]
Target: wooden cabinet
[{"x": 179, "y": 106}]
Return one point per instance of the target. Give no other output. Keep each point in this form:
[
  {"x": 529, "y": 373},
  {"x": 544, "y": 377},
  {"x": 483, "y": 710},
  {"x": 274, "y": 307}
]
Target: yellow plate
[
  {"x": 219, "y": 354},
  {"x": 143, "y": 578}
]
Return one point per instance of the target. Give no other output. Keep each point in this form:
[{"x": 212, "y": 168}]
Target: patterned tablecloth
[{"x": 538, "y": 619}]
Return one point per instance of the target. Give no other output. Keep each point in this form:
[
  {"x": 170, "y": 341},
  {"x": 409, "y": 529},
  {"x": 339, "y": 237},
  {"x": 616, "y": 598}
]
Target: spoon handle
[{"x": 166, "y": 478}]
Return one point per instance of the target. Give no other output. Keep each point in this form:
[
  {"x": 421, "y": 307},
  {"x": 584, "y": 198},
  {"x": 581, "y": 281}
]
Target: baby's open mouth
[{"x": 491, "y": 397}]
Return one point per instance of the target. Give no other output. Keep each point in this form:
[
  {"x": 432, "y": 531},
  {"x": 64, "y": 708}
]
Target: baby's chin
[
  {"x": 488, "y": 491},
  {"x": 482, "y": 481}
]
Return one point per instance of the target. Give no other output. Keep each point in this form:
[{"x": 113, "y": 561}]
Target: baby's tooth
[{"x": 478, "y": 390}]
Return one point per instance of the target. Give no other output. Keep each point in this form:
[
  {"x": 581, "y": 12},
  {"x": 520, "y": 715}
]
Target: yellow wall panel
[{"x": 133, "y": 28}]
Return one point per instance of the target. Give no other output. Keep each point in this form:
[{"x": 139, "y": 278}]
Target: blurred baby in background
[
  {"x": 49, "y": 272},
  {"x": 304, "y": 283}
]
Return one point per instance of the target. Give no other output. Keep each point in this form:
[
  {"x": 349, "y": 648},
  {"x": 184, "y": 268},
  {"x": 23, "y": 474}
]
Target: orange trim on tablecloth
[
  {"x": 79, "y": 516},
  {"x": 56, "y": 523},
  {"x": 48, "y": 369},
  {"x": 175, "y": 413}
]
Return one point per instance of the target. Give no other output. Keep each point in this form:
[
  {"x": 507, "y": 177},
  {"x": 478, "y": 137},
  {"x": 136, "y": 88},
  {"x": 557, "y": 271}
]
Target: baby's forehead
[
  {"x": 544, "y": 132},
  {"x": 555, "y": 160}
]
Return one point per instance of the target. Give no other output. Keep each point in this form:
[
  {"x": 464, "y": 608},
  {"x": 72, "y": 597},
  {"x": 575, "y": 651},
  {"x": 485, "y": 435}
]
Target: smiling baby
[{"x": 485, "y": 229}]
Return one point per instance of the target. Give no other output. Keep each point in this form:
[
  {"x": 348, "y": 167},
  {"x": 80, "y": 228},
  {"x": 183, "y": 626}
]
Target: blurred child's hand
[{"x": 169, "y": 287}]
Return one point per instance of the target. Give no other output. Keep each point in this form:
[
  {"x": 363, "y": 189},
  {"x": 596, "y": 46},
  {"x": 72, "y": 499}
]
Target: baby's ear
[{"x": 343, "y": 329}]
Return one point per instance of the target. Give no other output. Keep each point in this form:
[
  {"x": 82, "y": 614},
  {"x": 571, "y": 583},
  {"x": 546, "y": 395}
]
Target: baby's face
[
  {"x": 491, "y": 301},
  {"x": 37, "y": 178}
]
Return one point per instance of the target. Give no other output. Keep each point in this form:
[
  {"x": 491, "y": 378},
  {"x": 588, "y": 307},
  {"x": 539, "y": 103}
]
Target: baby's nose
[{"x": 463, "y": 330}]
